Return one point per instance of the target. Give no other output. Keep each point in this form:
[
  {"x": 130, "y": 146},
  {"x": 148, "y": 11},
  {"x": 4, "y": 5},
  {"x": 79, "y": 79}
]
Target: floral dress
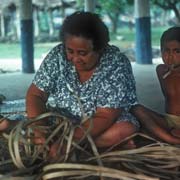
[{"x": 112, "y": 84}]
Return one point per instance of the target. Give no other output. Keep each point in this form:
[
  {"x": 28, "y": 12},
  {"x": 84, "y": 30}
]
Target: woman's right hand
[{"x": 4, "y": 124}]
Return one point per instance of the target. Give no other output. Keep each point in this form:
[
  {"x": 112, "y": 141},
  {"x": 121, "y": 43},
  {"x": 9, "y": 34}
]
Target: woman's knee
[
  {"x": 126, "y": 129},
  {"x": 116, "y": 133}
]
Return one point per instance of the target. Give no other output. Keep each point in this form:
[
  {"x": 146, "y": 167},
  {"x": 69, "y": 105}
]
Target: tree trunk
[{"x": 177, "y": 13}]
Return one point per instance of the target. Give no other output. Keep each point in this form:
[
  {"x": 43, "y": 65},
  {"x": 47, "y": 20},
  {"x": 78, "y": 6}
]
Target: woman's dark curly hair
[
  {"x": 170, "y": 34},
  {"x": 88, "y": 25}
]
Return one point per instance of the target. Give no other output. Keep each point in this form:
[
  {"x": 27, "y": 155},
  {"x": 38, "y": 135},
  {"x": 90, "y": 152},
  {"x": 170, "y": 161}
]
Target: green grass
[
  {"x": 10, "y": 50},
  {"x": 129, "y": 37},
  {"x": 156, "y": 35},
  {"x": 13, "y": 50},
  {"x": 40, "y": 49}
]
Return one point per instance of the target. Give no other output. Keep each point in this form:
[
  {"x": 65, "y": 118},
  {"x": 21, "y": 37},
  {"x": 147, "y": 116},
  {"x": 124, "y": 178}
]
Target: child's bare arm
[
  {"x": 150, "y": 121},
  {"x": 161, "y": 70}
]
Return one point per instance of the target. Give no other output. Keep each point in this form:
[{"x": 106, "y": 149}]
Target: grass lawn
[
  {"x": 13, "y": 50},
  {"x": 129, "y": 37}
]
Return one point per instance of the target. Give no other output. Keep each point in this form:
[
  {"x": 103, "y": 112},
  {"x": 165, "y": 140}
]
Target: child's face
[{"x": 171, "y": 52}]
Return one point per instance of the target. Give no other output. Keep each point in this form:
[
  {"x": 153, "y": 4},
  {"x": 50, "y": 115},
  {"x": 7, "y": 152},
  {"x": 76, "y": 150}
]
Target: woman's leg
[{"x": 115, "y": 134}]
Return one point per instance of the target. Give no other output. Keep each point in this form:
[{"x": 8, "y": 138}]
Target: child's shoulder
[{"x": 162, "y": 68}]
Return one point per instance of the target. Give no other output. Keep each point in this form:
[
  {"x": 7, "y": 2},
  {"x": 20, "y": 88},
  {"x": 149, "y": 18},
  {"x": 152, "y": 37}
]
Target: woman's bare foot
[{"x": 130, "y": 144}]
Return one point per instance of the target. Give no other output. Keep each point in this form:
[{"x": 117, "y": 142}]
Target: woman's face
[
  {"x": 80, "y": 52},
  {"x": 171, "y": 52}
]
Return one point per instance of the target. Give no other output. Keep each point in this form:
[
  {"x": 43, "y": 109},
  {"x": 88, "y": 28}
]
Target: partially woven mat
[
  {"x": 21, "y": 159},
  {"x": 12, "y": 106}
]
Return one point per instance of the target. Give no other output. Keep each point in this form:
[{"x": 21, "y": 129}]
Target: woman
[{"x": 85, "y": 66}]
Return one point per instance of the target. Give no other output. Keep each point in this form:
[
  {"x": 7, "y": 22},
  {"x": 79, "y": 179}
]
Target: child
[
  {"x": 169, "y": 75},
  {"x": 169, "y": 78}
]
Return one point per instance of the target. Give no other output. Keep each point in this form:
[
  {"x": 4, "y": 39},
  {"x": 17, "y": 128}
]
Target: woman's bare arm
[
  {"x": 35, "y": 101},
  {"x": 36, "y": 105}
]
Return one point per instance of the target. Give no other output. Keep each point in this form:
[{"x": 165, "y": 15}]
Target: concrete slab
[
  {"x": 14, "y": 85},
  {"x": 148, "y": 87}
]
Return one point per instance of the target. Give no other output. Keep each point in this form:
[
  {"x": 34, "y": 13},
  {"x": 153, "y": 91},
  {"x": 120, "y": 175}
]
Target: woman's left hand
[{"x": 53, "y": 151}]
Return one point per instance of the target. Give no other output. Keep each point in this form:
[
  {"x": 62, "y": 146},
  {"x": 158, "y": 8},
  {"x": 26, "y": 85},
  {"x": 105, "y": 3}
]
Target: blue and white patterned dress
[{"x": 111, "y": 85}]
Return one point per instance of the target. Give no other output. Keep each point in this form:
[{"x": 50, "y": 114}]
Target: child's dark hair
[
  {"x": 170, "y": 34},
  {"x": 88, "y": 25}
]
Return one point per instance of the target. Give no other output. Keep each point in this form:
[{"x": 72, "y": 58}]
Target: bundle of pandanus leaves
[{"x": 82, "y": 160}]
